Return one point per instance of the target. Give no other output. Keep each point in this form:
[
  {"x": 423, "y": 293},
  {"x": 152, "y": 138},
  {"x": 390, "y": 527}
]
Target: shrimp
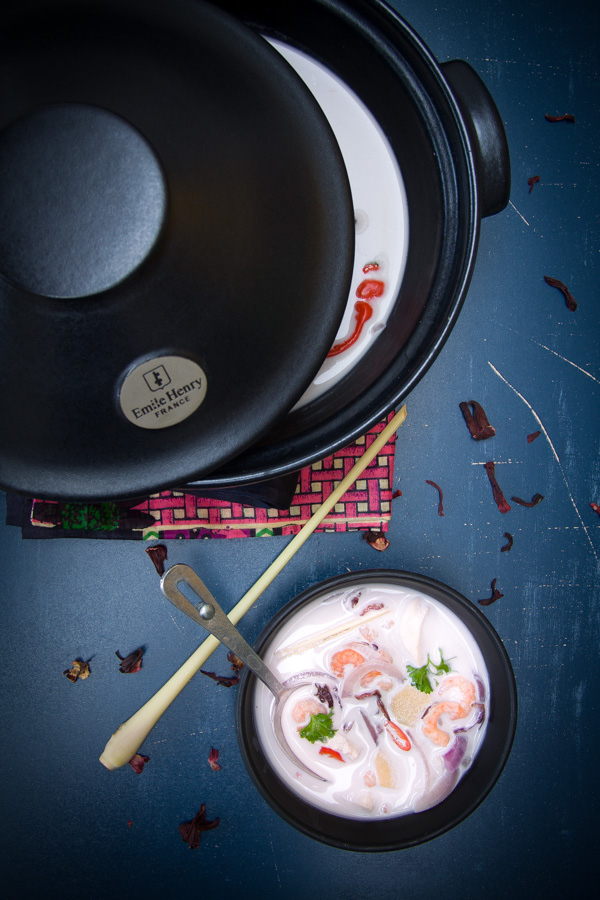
[
  {"x": 430, "y": 720},
  {"x": 343, "y": 658},
  {"x": 303, "y": 709},
  {"x": 385, "y": 684},
  {"x": 466, "y": 692}
]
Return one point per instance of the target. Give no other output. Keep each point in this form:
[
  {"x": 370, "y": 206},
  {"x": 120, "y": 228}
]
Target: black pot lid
[{"x": 176, "y": 243}]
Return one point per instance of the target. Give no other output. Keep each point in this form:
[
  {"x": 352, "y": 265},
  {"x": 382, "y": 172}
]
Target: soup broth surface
[{"x": 396, "y": 705}]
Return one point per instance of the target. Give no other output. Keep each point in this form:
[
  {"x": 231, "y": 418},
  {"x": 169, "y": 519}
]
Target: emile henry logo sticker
[{"x": 162, "y": 391}]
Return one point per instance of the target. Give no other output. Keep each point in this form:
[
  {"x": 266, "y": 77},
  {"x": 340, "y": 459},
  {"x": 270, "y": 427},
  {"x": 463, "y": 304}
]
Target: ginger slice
[{"x": 384, "y": 770}]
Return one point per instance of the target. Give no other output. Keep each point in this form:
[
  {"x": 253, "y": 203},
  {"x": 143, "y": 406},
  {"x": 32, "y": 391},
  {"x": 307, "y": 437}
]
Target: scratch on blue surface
[
  {"x": 578, "y": 710},
  {"x": 553, "y": 352},
  {"x": 564, "y": 359},
  {"x": 174, "y": 620},
  {"x": 578, "y": 692},
  {"x": 555, "y": 454},
  {"x": 275, "y": 862},
  {"x": 519, "y": 213}
]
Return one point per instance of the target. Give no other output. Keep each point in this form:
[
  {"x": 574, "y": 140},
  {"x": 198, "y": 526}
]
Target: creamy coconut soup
[
  {"x": 396, "y": 707},
  {"x": 381, "y": 216}
]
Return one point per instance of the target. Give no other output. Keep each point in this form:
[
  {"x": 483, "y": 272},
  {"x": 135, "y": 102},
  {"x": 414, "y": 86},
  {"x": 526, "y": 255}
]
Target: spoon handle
[{"x": 210, "y": 616}]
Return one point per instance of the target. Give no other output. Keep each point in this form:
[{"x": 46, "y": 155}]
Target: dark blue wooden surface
[{"x": 68, "y": 826}]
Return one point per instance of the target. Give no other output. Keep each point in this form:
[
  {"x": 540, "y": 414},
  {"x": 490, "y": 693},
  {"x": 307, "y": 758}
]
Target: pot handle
[{"x": 486, "y": 135}]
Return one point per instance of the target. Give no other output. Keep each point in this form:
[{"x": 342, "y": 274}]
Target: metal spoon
[{"x": 210, "y": 616}]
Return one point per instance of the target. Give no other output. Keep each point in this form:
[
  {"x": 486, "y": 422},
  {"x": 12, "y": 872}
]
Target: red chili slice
[
  {"x": 327, "y": 751},
  {"x": 397, "y": 735}
]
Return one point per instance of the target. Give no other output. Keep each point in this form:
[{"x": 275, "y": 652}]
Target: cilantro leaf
[
  {"x": 442, "y": 667},
  {"x": 320, "y": 727},
  {"x": 420, "y": 677}
]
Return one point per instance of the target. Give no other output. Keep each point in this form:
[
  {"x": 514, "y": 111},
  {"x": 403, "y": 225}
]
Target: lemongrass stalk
[
  {"x": 330, "y": 634},
  {"x": 129, "y": 737}
]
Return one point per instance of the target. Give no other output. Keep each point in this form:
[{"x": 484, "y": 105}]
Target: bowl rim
[{"x": 399, "y": 832}]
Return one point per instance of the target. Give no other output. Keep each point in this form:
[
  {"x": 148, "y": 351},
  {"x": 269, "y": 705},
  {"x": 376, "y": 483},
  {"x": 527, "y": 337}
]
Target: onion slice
[
  {"x": 313, "y": 675},
  {"x": 454, "y": 756},
  {"x": 439, "y": 792}
]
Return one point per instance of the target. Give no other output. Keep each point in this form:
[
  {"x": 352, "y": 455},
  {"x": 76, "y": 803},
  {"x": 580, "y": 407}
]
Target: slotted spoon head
[{"x": 210, "y": 616}]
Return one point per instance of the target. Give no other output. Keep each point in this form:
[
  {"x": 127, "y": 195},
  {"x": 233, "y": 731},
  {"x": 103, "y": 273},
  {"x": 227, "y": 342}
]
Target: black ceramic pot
[
  {"x": 450, "y": 145},
  {"x": 227, "y": 253},
  {"x": 394, "y": 833}
]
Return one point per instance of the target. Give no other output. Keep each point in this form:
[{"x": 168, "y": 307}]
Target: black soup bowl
[{"x": 393, "y": 832}]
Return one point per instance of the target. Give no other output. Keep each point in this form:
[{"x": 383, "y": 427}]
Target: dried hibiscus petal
[
  {"x": 529, "y": 503},
  {"x": 228, "y": 680},
  {"x": 132, "y": 662},
  {"x": 371, "y": 728},
  {"x": 213, "y": 757},
  {"x": 190, "y": 831},
  {"x": 477, "y": 421},
  {"x": 376, "y": 539},
  {"x": 567, "y": 117},
  {"x": 370, "y": 607},
  {"x": 569, "y": 298},
  {"x": 236, "y": 662},
  {"x": 501, "y": 502},
  {"x": 381, "y": 704},
  {"x": 486, "y": 601},
  {"x": 158, "y": 555},
  {"x": 509, "y": 542},
  {"x": 224, "y": 680},
  {"x": 532, "y": 181},
  {"x": 441, "y": 496},
  {"x": 137, "y": 762},
  {"x": 79, "y": 669},
  {"x": 531, "y": 437},
  {"x": 324, "y": 695}
]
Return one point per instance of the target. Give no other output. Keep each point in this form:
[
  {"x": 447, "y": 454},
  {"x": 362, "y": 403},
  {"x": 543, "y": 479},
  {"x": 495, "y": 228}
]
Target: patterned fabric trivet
[{"x": 180, "y": 515}]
